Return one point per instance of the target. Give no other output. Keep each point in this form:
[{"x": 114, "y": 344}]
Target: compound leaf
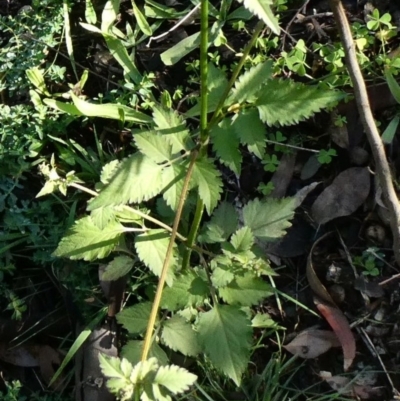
[
  {"x": 287, "y": 102},
  {"x": 151, "y": 247},
  {"x": 84, "y": 240},
  {"x": 136, "y": 179},
  {"x": 269, "y": 219},
  {"x": 174, "y": 378},
  {"x": 179, "y": 335},
  {"x": 225, "y": 335},
  {"x": 208, "y": 179},
  {"x": 245, "y": 291}
]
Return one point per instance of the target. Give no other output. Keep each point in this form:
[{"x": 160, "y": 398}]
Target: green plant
[
  {"x": 325, "y": 155},
  {"x": 370, "y": 261}
]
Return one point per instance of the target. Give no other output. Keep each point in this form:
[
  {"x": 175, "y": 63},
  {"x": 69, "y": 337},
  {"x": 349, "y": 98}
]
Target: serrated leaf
[
  {"x": 207, "y": 178},
  {"x": 110, "y": 366},
  {"x": 222, "y": 275},
  {"x": 118, "y": 267},
  {"x": 262, "y": 8},
  {"x": 102, "y": 216},
  {"x": 225, "y": 144},
  {"x": 110, "y": 110},
  {"x": 136, "y": 179},
  {"x": 84, "y": 240},
  {"x": 132, "y": 351},
  {"x": 286, "y": 102},
  {"x": 152, "y": 248},
  {"x": 243, "y": 239},
  {"x": 249, "y": 83},
  {"x": 173, "y": 179},
  {"x": 174, "y": 378},
  {"x": 246, "y": 290},
  {"x": 188, "y": 290},
  {"x": 107, "y": 171},
  {"x": 225, "y": 335},
  {"x": 179, "y": 335},
  {"x": 135, "y": 318},
  {"x": 223, "y": 223},
  {"x": 153, "y": 145},
  {"x": 125, "y": 214},
  {"x": 269, "y": 219},
  {"x": 263, "y": 320},
  {"x": 251, "y": 131}
]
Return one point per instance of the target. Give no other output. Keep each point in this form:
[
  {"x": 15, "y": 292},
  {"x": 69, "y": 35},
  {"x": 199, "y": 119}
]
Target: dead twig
[{"x": 374, "y": 139}]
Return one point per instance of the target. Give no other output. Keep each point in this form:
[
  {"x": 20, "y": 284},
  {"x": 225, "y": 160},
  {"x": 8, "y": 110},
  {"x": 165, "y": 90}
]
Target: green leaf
[
  {"x": 225, "y": 144},
  {"x": 118, "y": 267},
  {"x": 173, "y": 178},
  {"x": 108, "y": 170},
  {"x": 153, "y": 145},
  {"x": 136, "y": 179},
  {"x": 36, "y": 78},
  {"x": 223, "y": 223},
  {"x": 209, "y": 183},
  {"x": 262, "y": 8},
  {"x": 249, "y": 83},
  {"x": 188, "y": 290},
  {"x": 393, "y": 85},
  {"x": 251, "y": 131},
  {"x": 390, "y": 131},
  {"x": 243, "y": 239},
  {"x": 84, "y": 240},
  {"x": 263, "y": 320},
  {"x": 64, "y": 107},
  {"x": 181, "y": 49},
  {"x": 132, "y": 351},
  {"x": 269, "y": 219},
  {"x": 286, "y": 102},
  {"x": 225, "y": 335},
  {"x": 246, "y": 290},
  {"x": 102, "y": 216},
  {"x": 179, "y": 335},
  {"x": 110, "y": 366},
  {"x": 110, "y": 110},
  {"x": 152, "y": 248},
  {"x": 222, "y": 274},
  {"x": 90, "y": 13},
  {"x": 173, "y": 126},
  {"x": 174, "y": 378},
  {"x": 109, "y": 15},
  {"x": 135, "y": 318},
  {"x": 141, "y": 20}
]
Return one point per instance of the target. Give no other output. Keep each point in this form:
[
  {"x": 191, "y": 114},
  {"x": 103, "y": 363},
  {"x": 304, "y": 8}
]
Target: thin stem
[
  {"x": 203, "y": 72},
  {"x": 161, "y": 282},
  {"x": 216, "y": 116}
]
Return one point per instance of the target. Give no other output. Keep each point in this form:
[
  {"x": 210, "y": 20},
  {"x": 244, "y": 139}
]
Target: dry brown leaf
[
  {"x": 344, "y": 196},
  {"x": 312, "y": 343},
  {"x": 18, "y": 356}
]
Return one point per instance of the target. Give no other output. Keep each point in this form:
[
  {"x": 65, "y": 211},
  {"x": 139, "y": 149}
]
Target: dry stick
[{"x": 374, "y": 139}]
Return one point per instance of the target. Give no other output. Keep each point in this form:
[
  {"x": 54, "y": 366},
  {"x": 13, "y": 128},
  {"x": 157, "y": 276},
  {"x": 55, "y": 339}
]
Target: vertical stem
[
  {"x": 203, "y": 73},
  {"x": 161, "y": 282}
]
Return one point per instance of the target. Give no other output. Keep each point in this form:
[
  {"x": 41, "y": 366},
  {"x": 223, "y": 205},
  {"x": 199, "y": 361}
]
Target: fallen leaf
[
  {"x": 312, "y": 343},
  {"x": 344, "y": 196}
]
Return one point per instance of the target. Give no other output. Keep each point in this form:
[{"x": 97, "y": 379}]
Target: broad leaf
[
  {"x": 188, "y": 290},
  {"x": 225, "y": 335},
  {"x": 64, "y": 107},
  {"x": 173, "y": 177},
  {"x": 246, "y": 291},
  {"x": 286, "y": 102},
  {"x": 251, "y": 131},
  {"x": 132, "y": 351},
  {"x": 223, "y": 223},
  {"x": 222, "y": 274},
  {"x": 152, "y": 248},
  {"x": 110, "y": 110},
  {"x": 249, "y": 83},
  {"x": 173, "y": 126},
  {"x": 207, "y": 178},
  {"x": 107, "y": 171},
  {"x": 84, "y": 240},
  {"x": 136, "y": 179},
  {"x": 102, "y": 216},
  {"x": 109, "y": 14},
  {"x": 110, "y": 366},
  {"x": 179, "y": 335},
  {"x": 174, "y": 378},
  {"x": 153, "y": 145},
  {"x": 181, "y": 49},
  {"x": 225, "y": 144},
  {"x": 135, "y": 318},
  {"x": 262, "y": 8},
  {"x": 118, "y": 267},
  {"x": 243, "y": 239},
  {"x": 269, "y": 219}
]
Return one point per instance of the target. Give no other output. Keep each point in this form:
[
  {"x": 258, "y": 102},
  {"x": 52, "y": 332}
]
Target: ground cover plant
[{"x": 178, "y": 196}]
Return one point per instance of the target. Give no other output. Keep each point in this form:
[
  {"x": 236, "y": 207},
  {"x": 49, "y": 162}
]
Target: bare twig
[{"x": 374, "y": 139}]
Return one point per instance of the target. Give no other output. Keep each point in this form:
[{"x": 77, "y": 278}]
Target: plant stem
[
  {"x": 216, "y": 116},
  {"x": 374, "y": 139},
  {"x": 203, "y": 74},
  {"x": 161, "y": 282}
]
